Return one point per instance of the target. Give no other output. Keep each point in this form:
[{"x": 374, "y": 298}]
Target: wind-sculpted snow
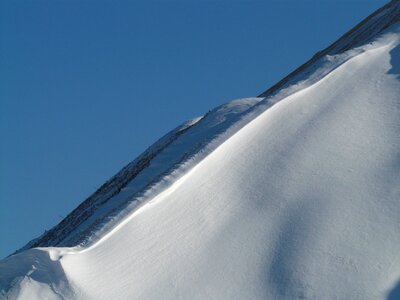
[
  {"x": 34, "y": 274},
  {"x": 295, "y": 196},
  {"x": 123, "y": 192}
]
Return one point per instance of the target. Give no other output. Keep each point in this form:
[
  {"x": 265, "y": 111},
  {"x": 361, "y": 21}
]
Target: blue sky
[{"x": 85, "y": 86}]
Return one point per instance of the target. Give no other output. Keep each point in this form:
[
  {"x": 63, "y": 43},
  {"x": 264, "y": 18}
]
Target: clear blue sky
[{"x": 85, "y": 86}]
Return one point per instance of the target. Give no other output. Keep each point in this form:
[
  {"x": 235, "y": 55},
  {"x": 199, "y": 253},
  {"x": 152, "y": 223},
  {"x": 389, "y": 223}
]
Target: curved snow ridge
[
  {"x": 176, "y": 160},
  {"x": 291, "y": 196},
  {"x": 85, "y": 212},
  {"x": 137, "y": 180},
  {"x": 296, "y": 201},
  {"x": 170, "y": 182},
  {"x": 302, "y": 202},
  {"x": 124, "y": 190}
]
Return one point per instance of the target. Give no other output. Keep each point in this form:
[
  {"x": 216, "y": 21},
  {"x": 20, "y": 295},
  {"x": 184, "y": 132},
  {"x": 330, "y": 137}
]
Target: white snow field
[{"x": 298, "y": 199}]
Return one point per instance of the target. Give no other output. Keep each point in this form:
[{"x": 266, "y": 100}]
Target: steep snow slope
[
  {"x": 135, "y": 182},
  {"x": 146, "y": 175},
  {"x": 302, "y": 202},
  {"x": 295, "y": 200}
]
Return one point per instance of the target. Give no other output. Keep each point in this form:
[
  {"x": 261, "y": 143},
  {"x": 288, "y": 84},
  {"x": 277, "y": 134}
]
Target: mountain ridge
[
  {"x": 294, "y": 195},
  {"x": 361, "y": 33}
]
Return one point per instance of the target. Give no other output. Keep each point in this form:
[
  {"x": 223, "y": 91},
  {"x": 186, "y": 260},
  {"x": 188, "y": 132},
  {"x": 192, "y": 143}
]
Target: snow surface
[
  {"x": 298, "y": 198},
  {"x": 145, "y": 176}
]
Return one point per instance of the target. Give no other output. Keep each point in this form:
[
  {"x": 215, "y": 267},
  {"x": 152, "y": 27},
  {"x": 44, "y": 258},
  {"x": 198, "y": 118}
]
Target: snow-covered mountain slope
[
  {"x": 296, "y": 195},
  {"x": 136, "y": 182}
]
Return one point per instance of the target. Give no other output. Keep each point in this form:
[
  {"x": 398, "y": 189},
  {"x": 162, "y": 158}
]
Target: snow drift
[{"x": 294, "y": 194}]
